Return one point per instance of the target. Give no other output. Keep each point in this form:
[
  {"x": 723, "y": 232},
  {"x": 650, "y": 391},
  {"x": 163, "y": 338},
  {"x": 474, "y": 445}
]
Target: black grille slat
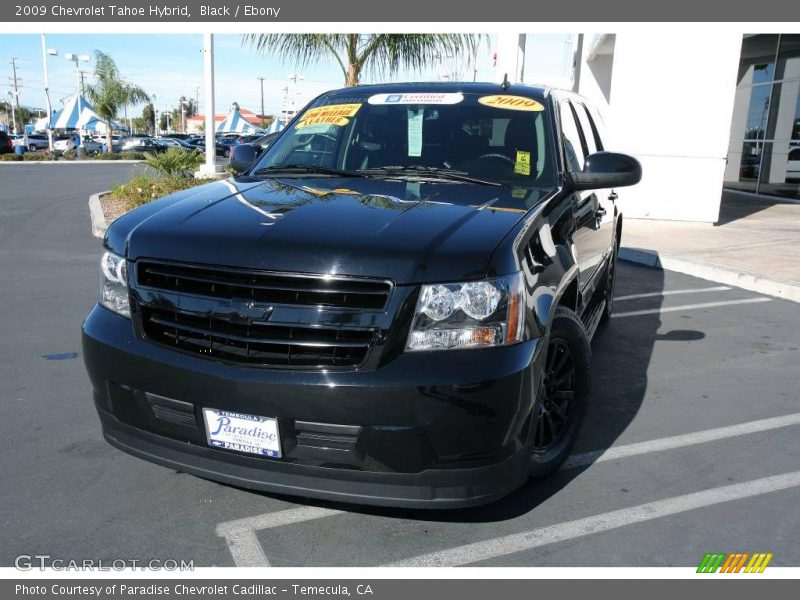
[
  {"x": 257, "y": 343},
  {"x": 214, "y": 328},
  {"x": 275, "y": 288}
]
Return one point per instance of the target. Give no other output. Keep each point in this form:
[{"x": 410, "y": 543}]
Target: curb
[
  {"x": 96, "y": 215},
  {"x": 770, "y": 287},
  {"x": 70, "y": 162}
]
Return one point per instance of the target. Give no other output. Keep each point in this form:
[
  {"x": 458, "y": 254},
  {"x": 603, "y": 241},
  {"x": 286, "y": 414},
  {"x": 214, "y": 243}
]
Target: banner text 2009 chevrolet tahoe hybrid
[{"x": 392, "y": 305}]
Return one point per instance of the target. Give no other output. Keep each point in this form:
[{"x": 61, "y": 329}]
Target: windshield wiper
[
  {"x": 436, "y": 172},
  {"x": 312, "y": 169}
]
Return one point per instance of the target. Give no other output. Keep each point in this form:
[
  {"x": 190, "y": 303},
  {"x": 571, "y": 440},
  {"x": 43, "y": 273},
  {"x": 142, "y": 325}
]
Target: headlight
[
  {"x": 114, "y": 284},
  {"x": 476, "y": 314}
]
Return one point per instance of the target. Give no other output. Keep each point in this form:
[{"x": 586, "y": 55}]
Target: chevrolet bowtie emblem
[{"x": 250, "y": 311}]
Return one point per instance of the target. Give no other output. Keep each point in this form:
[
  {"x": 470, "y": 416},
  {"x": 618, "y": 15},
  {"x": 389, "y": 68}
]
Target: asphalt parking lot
[{"x": 690, "y": 445}]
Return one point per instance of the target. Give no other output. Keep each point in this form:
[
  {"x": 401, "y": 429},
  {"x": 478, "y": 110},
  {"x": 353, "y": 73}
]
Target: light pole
[
  {"x": 13, "y": 112},
  {"x": 209, "y": 169},
  {"x": 45, "y": 53},
  {"x": 77, "y": 59},
  {"x": 183, "y": 115},
  {"x": 155, "y": 112},
  {"x": 261, "y": 79}
]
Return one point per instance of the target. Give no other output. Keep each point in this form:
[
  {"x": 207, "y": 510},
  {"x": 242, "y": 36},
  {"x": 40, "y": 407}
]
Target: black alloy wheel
[
  {"x": 564, "y": 384},
  {"x": 558, "y": 394}
]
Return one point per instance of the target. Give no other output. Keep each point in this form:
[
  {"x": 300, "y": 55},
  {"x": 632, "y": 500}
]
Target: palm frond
[{"x": 381, "y": 54}]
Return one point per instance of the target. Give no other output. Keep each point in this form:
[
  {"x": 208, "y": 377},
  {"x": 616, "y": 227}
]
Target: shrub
[
  {"x": 142, "y": 189},
  {"x": 28, "y": 156},
  {"x": 174, "y": 162},
  {"x": 124, "y": 155}
]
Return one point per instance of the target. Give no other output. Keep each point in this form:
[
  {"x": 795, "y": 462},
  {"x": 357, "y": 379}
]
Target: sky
[{"x": 171, "y": 66}]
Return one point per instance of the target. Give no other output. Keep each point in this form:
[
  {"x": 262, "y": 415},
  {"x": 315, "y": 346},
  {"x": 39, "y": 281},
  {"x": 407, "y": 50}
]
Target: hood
[{"x": 408, "y": 232}]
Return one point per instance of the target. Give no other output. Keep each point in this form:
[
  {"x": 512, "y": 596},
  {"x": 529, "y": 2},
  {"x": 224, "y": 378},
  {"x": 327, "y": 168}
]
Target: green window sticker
[{"x": 415, "y": 119}]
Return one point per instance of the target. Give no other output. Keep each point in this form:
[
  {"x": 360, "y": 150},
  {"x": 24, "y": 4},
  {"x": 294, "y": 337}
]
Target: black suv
[
  {"x": 6, "y": 145},
  {"x": 391, "y": 305}
]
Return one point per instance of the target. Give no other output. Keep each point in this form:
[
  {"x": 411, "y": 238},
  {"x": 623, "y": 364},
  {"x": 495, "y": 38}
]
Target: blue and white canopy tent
[
  {"x": 76, "y": 114},
  {"x": 236, "y": 123},
  {"x": 275, "y": 126}
]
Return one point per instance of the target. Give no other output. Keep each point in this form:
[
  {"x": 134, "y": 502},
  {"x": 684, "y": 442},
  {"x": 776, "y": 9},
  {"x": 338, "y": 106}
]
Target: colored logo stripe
[
  {"x": 758, "y": 563},
  {"x": 734, "y": 562},
  {"x": 711, "y": 563}
]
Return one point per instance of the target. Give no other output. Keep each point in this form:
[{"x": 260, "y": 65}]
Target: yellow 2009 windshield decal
[
  {"x": 332, "y": 114},
  {"x": 511, "y": 102}
]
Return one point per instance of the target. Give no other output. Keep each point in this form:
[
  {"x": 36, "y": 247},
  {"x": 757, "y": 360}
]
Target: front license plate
[{"x": 244, "y": 433}]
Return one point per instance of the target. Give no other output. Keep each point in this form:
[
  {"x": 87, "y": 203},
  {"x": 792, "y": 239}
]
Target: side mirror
[
  {"x": 607, "y": 170},
  {"x": 243, "y": 156}
]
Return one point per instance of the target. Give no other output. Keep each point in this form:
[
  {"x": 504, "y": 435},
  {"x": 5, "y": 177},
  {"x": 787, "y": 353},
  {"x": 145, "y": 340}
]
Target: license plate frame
[{"x": 251, "y": 434}]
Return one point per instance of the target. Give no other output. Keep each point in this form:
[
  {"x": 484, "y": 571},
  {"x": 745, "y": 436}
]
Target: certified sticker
[
  {"x": 511, "y": 102},
  {"x": 417, "y": 98}
]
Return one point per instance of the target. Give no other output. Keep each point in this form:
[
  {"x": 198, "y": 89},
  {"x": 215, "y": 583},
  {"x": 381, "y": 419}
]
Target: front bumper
[{"x": 433, "y": 429}]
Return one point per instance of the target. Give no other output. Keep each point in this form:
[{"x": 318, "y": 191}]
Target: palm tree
[
  {"x": 110, "y": 92},
  {"x": 382, "y": 53}
]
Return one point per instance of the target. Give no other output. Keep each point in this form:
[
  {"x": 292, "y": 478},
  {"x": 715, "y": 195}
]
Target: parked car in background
[
  {"x": 225, "y": 144},
  {"x": 67, "y": 142},
  {"x": 178, "y": 136},
  {"x": 176, "y": 143},
  {"x": 411, "y": 329},
  {"x": 793, "y": 166},
  {"x": 6, "y": 145},
  {"x": 143, "y": 144},
  {"x": 247, "y": 139},
  {"x": 223, "y": 147},
  {"x": 37, "y": 141},
  {"x": 265, "y": 140}
]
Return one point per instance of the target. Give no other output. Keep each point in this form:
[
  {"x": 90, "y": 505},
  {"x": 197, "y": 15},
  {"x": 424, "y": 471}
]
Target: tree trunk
[
  {"x": 353, "y": 74},
  {"x": 108, "y": 136}
]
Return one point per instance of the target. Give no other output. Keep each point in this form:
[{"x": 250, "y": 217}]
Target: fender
[{"x": 542, "y": 245}]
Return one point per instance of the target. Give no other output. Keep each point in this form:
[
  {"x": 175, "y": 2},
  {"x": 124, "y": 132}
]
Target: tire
[
  {"x": 610, "y": 284},
  {"x": 32, "y": 148},
  {"x": 551, "y": 435}
]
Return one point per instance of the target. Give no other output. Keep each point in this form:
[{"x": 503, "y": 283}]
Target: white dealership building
[{"x": 701, "y": 113}]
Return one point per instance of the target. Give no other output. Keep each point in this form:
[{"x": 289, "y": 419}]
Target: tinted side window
[
  {"x": 589, "y": 130},
  {"x": 574, "y": 145}
]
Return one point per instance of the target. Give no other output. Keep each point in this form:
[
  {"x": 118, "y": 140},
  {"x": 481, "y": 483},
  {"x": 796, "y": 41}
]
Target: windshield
[{"x": 496, "y": 138}]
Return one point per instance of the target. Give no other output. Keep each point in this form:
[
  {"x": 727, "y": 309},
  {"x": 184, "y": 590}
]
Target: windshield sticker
[
  {"x": 511, "y": 102},
  {"x": 415, "y": 118},
  {"x": 417, "y": 98},
  {"x": 522, "y": 166},
  {"x": 332, "y": 114},
  {"x": 324, "y": 120}
]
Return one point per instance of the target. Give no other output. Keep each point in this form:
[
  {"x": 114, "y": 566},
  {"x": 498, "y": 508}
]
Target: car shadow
[{"x": 621, "y": 355}]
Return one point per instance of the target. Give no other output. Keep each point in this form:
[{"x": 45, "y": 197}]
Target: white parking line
[
  {"x": 680, "y": 441},
  {"x": 240, "y": 534},
  {"x": 518, "y": 542},
  {"x": 719, "y": 288},
  {"x": 636, "y": 313}
]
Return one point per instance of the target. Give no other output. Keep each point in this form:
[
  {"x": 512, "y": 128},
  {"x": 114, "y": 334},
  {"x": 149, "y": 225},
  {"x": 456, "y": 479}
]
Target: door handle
[
  {"x": 613, "y": 196},
  {"x": 600, "y": 212}
]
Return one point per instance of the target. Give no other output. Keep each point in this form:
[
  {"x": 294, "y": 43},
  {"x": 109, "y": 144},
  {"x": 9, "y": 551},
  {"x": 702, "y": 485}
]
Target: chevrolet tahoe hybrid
[{"x": 392, "y": 304}]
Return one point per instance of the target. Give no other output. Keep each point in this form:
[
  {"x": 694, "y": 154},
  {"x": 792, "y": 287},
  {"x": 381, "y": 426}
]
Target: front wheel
[{"x": 564, "y": 393}]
